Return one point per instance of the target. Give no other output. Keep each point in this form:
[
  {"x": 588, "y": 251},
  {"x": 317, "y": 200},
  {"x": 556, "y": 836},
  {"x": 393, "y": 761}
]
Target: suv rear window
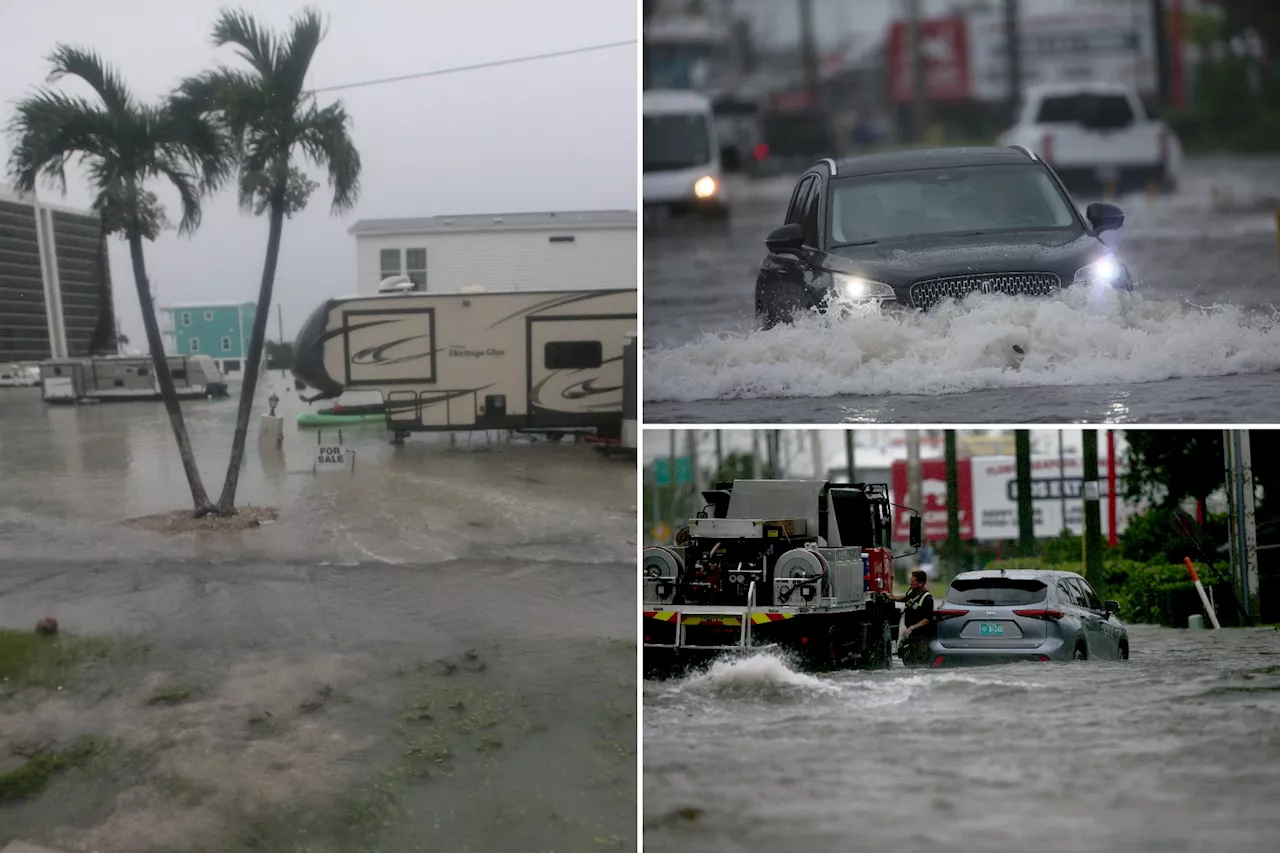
[
  {"x": 996, "y": 592},
  {"x": 1094, "y": 111}
]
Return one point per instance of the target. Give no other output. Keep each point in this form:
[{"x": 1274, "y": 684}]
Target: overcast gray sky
[{"x": 551, "y": 135}]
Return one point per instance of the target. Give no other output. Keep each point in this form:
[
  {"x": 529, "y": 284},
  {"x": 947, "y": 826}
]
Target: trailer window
[
  {"x": 996, "y": 592},
  {"x": 573, "y": 355},
  {"x": 389, "y": 263}
]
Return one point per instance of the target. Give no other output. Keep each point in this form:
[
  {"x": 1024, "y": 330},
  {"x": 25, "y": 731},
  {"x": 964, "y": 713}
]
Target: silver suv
[{"x": 1025, "y": 615}]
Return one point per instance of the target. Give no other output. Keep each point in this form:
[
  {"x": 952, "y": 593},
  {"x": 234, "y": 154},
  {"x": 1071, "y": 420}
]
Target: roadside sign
[
  {"x": 334, "y": 458},
  {"x": 662, "y": 471},
  {"x": 660, "y": 532}
]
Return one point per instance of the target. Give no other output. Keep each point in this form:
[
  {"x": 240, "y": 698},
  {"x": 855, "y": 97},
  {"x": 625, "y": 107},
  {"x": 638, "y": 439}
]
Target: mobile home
[
  {"x": 15, "y": 375},
  {"x": 127, "y": 378},
  {"x": 525, "y": 360}
]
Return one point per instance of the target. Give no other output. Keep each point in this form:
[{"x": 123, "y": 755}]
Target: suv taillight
[
  {"x": 948, "y": 614},
  {"x": 1042, "y": 613},
  {"x": 1046, "y": 148}
]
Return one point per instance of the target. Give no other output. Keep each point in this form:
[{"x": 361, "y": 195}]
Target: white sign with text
[{"x": 330, "y": 458}]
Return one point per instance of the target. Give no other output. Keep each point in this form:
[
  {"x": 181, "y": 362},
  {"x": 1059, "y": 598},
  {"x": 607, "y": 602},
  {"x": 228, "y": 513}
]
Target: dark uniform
[{"x": 915, "y": 651}]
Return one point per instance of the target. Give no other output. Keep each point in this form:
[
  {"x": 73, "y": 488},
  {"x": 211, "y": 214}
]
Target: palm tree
[
  {"x": 122, "y": 144},
  {"x": 268, "y": 115}
]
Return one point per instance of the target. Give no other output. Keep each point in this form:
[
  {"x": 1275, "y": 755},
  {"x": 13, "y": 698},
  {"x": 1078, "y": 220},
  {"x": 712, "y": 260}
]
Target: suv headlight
[
  {"x": 1104, "y": 272},
  {"x": 852, "y": 288},
  {"x": 705, "y": 187}
]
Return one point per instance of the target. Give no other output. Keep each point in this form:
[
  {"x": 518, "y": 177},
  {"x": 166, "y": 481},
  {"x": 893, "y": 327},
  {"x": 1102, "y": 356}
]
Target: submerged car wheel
[
  {"x": 782, "y": 305},
  {"x": 1079, "y": 654},
  {"x": 1124, "y": 651}
]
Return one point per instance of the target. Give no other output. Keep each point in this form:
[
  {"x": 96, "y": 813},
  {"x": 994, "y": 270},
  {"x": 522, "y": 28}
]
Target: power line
[{"x": 475, "y": 67}]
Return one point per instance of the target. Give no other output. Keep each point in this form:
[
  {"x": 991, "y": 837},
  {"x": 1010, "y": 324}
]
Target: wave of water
[
  {"x": 1069, "y": 339},
  {"x": 760, "y": 677}
]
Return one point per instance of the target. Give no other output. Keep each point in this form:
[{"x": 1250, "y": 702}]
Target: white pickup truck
[{"x": 1097, "y": 136}]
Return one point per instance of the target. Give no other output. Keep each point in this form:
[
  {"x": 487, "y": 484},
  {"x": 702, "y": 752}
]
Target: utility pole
[
  {"x": 1163, "y": 63},
  {"x": 809, "y": 55},
  {"x": 755, "y": 454},
  {"x": 848, "y": 456},
  {"x": 1241, "y": 525},
  {"x": 1092, "y": 510},
  {"x": 915, "y": 472},
  {"x": 953, "y": 506},
  {"x": 915, "y": 55},
  {"x": 815, "y": 441},
  {"x": 280, "y": 317},
  {"x": 1026, "y": 512},
  {"x": 719, "y": 454},
  {"x": 1062, "y": 483},
  {"x": 671, "y": 473},
  {"x": 691, "y": 444},
  {"x": 1014, "y": 43},
  {"x": 772, "y": 441}
]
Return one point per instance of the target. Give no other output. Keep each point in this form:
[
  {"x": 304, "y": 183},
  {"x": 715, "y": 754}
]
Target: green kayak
[{"x": 315, "y": 419}]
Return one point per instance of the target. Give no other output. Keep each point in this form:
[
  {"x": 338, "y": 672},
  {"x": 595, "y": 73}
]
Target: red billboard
[
  {"x": 934, "y": 492},
  {"x": 944, "y": 43}
]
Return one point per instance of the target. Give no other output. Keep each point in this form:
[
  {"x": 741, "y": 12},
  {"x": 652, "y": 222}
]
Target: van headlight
[
  {"x": 853, "y": 288},
  {"x": 705, "y": 187},
  {"x": 1104, "y": 272}
]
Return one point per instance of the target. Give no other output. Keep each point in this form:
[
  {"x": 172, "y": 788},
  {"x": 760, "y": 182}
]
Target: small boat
[{"x": 316, "y": 419}]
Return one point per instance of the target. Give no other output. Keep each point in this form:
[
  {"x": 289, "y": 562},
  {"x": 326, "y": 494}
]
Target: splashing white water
[
  {"x": 761, "y": 676},
  {"x": 1069, "y": 339}
]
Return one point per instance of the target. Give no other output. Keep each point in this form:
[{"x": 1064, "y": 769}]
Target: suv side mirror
[
  {"x": 1111, "y": 607},
  {"x": 917, "y": 531},
  {"x": 1104, "y": 217},
  {"x": 787, "y": 239}
]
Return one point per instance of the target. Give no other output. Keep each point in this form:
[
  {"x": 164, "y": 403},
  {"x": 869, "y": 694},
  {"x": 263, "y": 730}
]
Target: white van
[{"x": 682, "y": 172}]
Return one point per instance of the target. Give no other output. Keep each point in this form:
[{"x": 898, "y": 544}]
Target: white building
[{"x": 508, "y": 251}]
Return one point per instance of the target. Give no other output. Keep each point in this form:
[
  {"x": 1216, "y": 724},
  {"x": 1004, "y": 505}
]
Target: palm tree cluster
[{"x": 245, "y": 124}]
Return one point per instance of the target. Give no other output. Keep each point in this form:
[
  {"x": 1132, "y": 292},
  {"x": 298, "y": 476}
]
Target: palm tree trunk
[
  {"x": 199, "y": 497},
  {"x": 227, "y": 501}
]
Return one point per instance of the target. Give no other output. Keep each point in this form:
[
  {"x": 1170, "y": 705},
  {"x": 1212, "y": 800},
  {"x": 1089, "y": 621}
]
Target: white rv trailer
[
  {"x": 128, "y": 377},
  {"x": 631, "y": 392},
  {"x": 525, "y": 360}
]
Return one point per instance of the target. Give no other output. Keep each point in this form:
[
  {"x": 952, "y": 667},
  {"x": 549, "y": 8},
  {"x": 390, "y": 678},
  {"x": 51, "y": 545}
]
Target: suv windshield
[
  {"x": 676, "y": 142},
  {"x": 962, "y": 200},
  {"x": 996, "y": 592}
]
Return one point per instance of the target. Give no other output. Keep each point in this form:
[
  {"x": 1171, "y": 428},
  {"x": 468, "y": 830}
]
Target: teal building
[{"x": 220, "y": 330}]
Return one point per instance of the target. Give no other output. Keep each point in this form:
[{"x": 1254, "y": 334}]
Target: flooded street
[
  {"x": 1198, "y": 339},
  {"x": 435, "y": 651},
  {"x": 1177, "y": 749}
]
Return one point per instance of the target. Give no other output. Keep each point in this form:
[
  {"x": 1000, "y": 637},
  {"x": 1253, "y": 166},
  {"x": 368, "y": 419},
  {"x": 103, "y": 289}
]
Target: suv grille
[{"x": 926, "y": 294}]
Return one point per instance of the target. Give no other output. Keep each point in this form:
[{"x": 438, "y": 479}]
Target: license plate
[{"x": 990, "y": 629}]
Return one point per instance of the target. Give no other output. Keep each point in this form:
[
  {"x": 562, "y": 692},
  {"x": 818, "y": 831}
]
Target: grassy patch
[
  {"x": 173, "y": 695},
  {"x": 29, "y": 780},
  {"x": 32, "y": 660}
]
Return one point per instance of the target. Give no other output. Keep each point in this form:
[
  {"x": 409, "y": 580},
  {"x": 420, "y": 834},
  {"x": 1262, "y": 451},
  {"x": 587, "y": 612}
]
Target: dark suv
[{"x": 909, "y": 229}]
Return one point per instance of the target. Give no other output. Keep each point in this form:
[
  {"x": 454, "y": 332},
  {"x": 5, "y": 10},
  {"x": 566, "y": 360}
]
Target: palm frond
[
  {"x": 85, "y": 63},
  {"x": 325, "y": 139},
  {"x": 50, "y": 128},
  {"x": 188, "y": 133},
  {"x": 256, "y": 45},
  {"x": 307, "y": 30}
]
